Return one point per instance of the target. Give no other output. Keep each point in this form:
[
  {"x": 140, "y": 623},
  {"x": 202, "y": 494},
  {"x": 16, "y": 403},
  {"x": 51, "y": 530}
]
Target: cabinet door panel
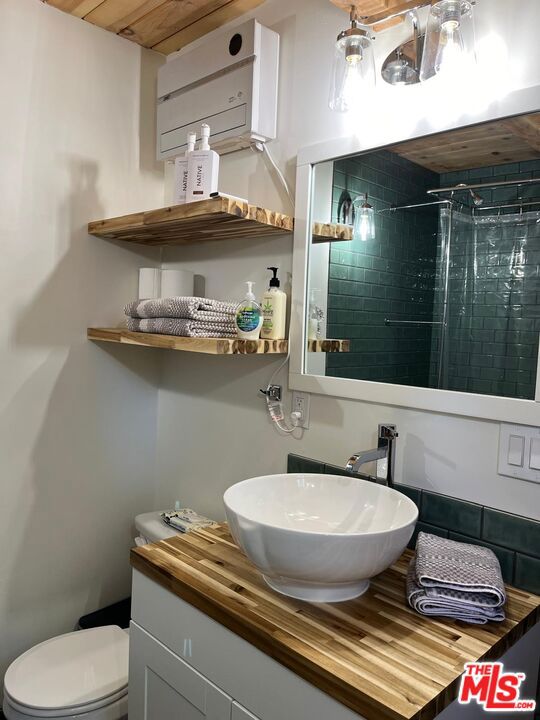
[
  {"x": 164, "y": 687},
  {"x": 240, "y": 713}
]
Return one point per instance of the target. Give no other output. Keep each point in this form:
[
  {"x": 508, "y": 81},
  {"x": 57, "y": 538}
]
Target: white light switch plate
[{"x": 518, "y": 452}]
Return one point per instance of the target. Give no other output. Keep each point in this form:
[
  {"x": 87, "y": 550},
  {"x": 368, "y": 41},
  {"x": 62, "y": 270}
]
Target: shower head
[{"x": 477, "y": 199}]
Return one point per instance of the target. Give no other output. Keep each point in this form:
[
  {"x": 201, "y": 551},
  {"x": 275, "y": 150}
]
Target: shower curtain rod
[
  {"x": 479, "y": 186},
  {"x": 415, "y": 205}
]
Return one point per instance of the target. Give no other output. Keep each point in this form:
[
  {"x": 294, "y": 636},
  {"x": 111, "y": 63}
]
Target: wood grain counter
[{"x": 373, "y": 654}]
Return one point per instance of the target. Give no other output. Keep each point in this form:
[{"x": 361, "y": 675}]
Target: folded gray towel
[
  {"x": 457, "y": 580},
  {"x": 183, "y": 327},
  {"x": 191, "y": 308}
]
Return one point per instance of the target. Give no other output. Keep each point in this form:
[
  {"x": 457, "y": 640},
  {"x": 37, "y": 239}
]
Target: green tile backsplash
[
  {"x": 453, "y": 514},
  {"x": 513, "y": 538}
]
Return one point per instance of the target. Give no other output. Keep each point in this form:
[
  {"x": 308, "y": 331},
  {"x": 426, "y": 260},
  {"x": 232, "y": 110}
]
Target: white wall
[
  {"x": 77, "y": 420},
  {"x": 213, "y": 430}
]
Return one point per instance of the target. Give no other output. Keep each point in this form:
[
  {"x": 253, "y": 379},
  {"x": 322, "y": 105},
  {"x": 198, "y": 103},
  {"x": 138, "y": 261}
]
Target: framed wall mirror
[{"x": 429, "y": 276}]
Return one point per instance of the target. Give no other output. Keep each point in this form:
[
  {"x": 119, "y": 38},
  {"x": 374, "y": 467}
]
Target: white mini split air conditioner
[{"x": 229, "y": 82}]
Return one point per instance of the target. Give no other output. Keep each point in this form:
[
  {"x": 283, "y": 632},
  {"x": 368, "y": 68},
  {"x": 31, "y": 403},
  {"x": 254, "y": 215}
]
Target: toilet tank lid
[
  {"x": 69, "y": 671},
  {"x": 151, "y": 526}
]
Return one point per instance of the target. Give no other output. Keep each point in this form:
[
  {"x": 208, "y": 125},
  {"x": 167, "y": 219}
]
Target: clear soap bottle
[{"x": 248, "y": 316}]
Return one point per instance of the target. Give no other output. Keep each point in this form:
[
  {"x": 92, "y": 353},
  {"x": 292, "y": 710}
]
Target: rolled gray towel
[
  {"x": 457, "y": 580},
  {"x": 183, "y": 327},
  {"x": 191, "y": 308}
]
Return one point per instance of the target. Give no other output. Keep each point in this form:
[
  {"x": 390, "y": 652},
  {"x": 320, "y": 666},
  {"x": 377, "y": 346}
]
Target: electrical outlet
[{"x": 300, "y": 404}]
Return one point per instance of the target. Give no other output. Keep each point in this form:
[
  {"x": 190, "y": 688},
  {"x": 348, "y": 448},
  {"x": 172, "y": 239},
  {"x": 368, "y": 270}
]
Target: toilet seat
[
  {"x": 70, "y": 675},
  {"x": 113, "y": 709}
]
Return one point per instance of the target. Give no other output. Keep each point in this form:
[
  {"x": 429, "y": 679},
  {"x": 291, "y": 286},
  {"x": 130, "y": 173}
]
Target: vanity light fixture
[
  {"x": 353, "y": 66},
  {"x": 364, "y": 220},
  {"x": 446, "y": 48},
  {"x": 449, "y": 40}
]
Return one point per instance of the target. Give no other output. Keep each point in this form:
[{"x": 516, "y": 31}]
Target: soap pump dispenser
[
  {"x": 181, "y": 171},
  {"x": 203, "y": 169},
  {"x": 274, "y": 307},
  {"x": 248, "y": 316}
]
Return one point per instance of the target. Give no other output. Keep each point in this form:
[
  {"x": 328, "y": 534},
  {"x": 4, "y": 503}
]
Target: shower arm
[{"x": 519, "y": 203}]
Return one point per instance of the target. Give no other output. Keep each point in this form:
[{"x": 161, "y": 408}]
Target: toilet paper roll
[
  {"x": 149, "y": 283},
  {"x": 175, "y": 283}
]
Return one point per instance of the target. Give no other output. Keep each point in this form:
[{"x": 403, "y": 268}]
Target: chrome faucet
[{"x": 384, "y": 454}]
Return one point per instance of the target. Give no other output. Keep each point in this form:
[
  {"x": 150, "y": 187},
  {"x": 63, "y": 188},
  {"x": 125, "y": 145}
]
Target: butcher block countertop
[{"x": 373, "y": 654}]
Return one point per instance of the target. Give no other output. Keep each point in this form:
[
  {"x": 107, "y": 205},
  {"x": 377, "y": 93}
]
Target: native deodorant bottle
[{"x": 203, "y": 169}]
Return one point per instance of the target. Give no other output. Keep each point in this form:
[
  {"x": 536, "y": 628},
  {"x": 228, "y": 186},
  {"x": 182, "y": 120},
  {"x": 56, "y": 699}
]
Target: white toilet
[{"x": 82, "y": 675}]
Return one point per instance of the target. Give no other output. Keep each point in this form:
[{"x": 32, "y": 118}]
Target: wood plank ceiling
[
  {"x": 162, "y": 25},
  {"x": 373, "y": 12},
  {"x": 501, "y": 141}
]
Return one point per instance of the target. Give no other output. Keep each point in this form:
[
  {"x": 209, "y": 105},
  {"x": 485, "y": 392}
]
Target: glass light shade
[
  {"x": 449, "y": 44},
  {"x": 364, "y": 220},
  {"x": 353, "y": 71}
]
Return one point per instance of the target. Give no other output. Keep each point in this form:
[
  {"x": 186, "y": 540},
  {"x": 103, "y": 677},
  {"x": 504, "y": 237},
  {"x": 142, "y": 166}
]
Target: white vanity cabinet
[
  {"x": 184, "y": 665},
  {"x": 163, "y": 686}
]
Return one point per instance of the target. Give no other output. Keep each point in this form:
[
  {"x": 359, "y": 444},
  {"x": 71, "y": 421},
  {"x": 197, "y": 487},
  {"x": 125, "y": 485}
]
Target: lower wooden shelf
[
  {"x": 328, "y": 346},
  {"x": 210, "y": 346}
]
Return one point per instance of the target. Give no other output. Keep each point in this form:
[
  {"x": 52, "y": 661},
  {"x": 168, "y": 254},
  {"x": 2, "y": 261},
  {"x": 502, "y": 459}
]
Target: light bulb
[
  {"x": 352, "y": 84},
  {"x": 353, "y": 69},
  {"x": 451, "y": 50},
  {"x": 364, "y": 226},
  {"x": 364, "y": 221},
  {"x": 449, "y": 43}
]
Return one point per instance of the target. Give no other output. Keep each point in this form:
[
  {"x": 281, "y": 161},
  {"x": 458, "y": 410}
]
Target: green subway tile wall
[
  {"x": 391, "y": 277},
  {"x": 514, "y": 539},
  {"x": 494, "y": 281}
]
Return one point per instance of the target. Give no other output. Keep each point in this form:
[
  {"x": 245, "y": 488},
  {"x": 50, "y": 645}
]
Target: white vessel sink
[{"x": 319, "y": 537}]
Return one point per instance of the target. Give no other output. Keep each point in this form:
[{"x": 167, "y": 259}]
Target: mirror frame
[{"x": 488, "y": 407}]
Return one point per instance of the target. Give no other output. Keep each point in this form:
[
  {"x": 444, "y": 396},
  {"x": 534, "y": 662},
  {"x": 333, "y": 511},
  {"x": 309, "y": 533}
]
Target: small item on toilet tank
[
  {"x": 149, "y": 283},
  {"x": 185, "y": 520},
  {"x": 203, "y": 169},
  {"x": 181, "y": 164},
  {"x": 177, "y": 283}
]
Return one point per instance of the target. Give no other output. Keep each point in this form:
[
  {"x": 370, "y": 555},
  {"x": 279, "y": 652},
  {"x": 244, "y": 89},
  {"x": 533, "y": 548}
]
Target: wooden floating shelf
[
  {"x": 329, "y": 346},
  {"x": 330, "y": 232},
  {"x": 209, "y": 346},
  {"x": 204, "y": 221},
  {"x": 215, "y": 219}
]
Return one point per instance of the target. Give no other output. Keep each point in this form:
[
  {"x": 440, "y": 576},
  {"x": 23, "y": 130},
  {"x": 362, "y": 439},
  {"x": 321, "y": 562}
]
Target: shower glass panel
[{"x": 490, "y": 341}]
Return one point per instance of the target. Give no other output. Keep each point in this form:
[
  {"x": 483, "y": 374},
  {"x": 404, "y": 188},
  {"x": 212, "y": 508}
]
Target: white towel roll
[
  {"x": 149, "y": 283},
  {"x": 177, "y": 283}
]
